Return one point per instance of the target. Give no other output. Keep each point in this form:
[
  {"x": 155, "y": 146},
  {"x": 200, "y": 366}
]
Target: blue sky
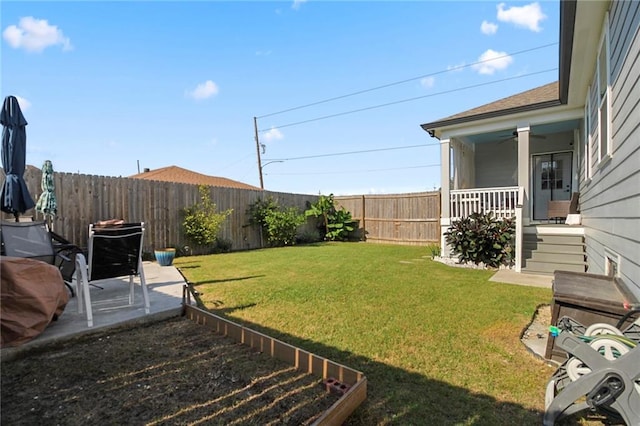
[{"x": 108, "y": 87}]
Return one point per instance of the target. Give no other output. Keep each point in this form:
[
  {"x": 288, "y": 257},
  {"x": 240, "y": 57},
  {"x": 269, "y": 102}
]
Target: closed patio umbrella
[
  {"x": 47, "y": 203},
  {"x": 14, "y": 197}
]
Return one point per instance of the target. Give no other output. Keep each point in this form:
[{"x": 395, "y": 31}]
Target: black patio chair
[
  {"x": 113, "y": 251},
  {"x": 33, "y": 240}
]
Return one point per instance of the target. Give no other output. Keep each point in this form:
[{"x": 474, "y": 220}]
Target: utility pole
[{"x": 255, "y": 129}]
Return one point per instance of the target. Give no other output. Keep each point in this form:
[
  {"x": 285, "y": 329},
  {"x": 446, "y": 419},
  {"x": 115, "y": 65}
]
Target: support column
[
  {"x": 522, "y": 207},
  {"x": 524, "y": 169},
  {"x": 445, "y": 179}
]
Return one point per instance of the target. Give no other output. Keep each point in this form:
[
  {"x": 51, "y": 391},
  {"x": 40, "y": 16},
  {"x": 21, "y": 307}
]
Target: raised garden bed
[
  {"x": 177, "y": 371},
  {"x": 349, "y": 384}
]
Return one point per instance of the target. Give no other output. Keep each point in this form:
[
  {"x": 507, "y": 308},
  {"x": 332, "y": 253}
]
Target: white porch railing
[{"x": 501, "y": 201}]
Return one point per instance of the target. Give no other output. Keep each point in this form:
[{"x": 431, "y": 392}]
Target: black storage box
[{"x": 587, "y": 299}]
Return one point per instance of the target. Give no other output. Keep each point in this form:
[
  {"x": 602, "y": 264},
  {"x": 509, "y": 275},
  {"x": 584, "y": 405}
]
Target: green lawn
[{"x": 439, "y": 345}]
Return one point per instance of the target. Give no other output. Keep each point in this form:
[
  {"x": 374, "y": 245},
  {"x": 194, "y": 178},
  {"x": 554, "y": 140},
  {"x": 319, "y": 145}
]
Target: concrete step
[
  {"x": 539, "y": 267},
  {"x": 561, "y": 256}
]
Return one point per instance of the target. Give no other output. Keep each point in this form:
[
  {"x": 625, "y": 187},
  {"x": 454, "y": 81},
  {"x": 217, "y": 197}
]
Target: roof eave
[
  {"x": 431, "y": 127},
  {"x": 567, "y": 28}
]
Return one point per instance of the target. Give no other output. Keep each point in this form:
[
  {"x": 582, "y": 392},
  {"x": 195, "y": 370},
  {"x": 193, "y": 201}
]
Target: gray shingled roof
[{"x": 540, "y": 97}]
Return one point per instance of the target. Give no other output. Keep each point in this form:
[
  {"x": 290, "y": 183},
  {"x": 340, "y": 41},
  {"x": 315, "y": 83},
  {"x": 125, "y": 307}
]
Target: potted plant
[{"x": 165, "y": 256}]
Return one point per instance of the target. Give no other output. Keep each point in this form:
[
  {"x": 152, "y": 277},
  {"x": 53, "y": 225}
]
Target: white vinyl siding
[
  {"x": 601, "y": 81},
  {"x": 586, "y": 143},
  {"x": 496, "y": 164}
]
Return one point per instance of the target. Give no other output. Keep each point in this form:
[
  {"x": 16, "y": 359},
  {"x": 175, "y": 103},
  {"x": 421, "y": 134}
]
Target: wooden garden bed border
[{"x": 300, "y": 359}]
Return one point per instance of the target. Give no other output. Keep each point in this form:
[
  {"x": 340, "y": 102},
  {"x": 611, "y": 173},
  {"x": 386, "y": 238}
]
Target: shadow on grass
[
  {"x": 189, "y": 265},
  {"x": 398, "y": 396},
  {"x": 227, "y": 280}
]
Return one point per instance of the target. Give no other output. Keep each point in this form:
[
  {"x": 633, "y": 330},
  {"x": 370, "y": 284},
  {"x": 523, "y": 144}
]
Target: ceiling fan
[{"x": 514, "y": 137}]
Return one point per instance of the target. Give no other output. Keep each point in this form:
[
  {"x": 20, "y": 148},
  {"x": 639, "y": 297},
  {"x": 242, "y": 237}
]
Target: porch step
[
  {"x": 559, "y": 256},
  {"x": 552, "y": 239},
  {"x": 547, "y": 268},
  {"x": 544, "y": 253},
  {"x": 577, "y": 248}
]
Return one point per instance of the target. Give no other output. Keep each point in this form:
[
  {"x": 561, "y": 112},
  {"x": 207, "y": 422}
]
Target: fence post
[{"x": 364, "y": 215}]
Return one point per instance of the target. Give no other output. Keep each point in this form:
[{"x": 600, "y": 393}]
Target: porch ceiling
[{"x": 538, "y": 129}]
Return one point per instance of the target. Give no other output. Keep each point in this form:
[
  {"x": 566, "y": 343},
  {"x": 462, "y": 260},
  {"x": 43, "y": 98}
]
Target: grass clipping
[{"x": 171, "y": 372}]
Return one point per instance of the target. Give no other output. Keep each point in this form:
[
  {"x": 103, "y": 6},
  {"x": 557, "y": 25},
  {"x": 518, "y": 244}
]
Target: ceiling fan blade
[{"x": 508, "y": 138}]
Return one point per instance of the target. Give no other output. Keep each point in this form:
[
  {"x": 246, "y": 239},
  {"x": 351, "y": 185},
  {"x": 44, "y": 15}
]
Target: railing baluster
[{"x": 501, "y": 201}]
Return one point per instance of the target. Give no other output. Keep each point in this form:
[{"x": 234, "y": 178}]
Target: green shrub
[
  {"x": 334, "y": 224},
  {"x": 481, "y": 237},
  {"x": 279, "y": 225},
  {"x": 308, "y": 236},
  {"x": 282, "y": 226},
  {"x": 259, "y": 210},
  {"x": 202, "y": 222},
  {"x": 222, "y": 245}
]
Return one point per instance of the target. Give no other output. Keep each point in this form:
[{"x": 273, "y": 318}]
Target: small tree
[
  {"x": 258, "y": 212},
  {"x": 202, "y": 222},
  {"x": 481, "y": 237}
]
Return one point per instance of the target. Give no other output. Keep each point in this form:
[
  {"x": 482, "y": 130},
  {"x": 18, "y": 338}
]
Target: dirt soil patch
[{"x": 165, "y": 373}]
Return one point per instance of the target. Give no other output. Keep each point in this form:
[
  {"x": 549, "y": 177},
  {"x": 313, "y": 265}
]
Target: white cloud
[
  {"x": 528, "y": 16},
  {"x": 488, "y": 28},
  {"x": 35, "y": 35},
  {"x": 427, "y": 82},
  {"x": 24, "y": 104},
  {"x": 203, "y": 90},
  {"x": 491, "y": 61},
  {"x": 296, "y": 4},
  {"x": 263, "y": 52},
  {"x": 272, "y": 134}
]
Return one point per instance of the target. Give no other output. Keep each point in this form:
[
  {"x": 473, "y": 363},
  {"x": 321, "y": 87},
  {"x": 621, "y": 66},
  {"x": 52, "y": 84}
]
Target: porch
[{"x": 542, "y": 246}]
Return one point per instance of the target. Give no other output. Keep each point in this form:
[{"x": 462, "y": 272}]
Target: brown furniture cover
[{"x": 32, "y": 295}]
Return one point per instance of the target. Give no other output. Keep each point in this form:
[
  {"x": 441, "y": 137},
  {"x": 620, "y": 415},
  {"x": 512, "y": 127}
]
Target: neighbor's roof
[
  {"x": 540, "y": 97},
  {"x": 179, "y": 175}
]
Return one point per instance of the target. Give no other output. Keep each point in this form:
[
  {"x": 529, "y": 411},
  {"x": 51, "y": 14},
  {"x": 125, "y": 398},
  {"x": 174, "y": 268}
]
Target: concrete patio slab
[
  {"x": 111, "y": 307},
  {"x": 512, "y": 277}
]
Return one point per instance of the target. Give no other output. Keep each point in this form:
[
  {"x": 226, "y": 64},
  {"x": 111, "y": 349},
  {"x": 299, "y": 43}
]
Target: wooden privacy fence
[
  {"x": 398, "y": 219},
  {"x": 84, "y": 199}
]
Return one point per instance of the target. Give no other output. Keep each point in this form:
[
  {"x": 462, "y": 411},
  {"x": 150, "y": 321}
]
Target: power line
[
  {"x": 408, "y": 100},
  {"x": 456, "y": 68},
  {"x": 355, "y": 171},
  {"x": 352, "y": 152}
]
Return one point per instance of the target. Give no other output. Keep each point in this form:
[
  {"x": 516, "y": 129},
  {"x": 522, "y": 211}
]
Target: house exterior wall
[
  {"x": 556, "y": 142},
  {"x": 610, "y": 192},
  {"x": 496, "y": 164}
]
